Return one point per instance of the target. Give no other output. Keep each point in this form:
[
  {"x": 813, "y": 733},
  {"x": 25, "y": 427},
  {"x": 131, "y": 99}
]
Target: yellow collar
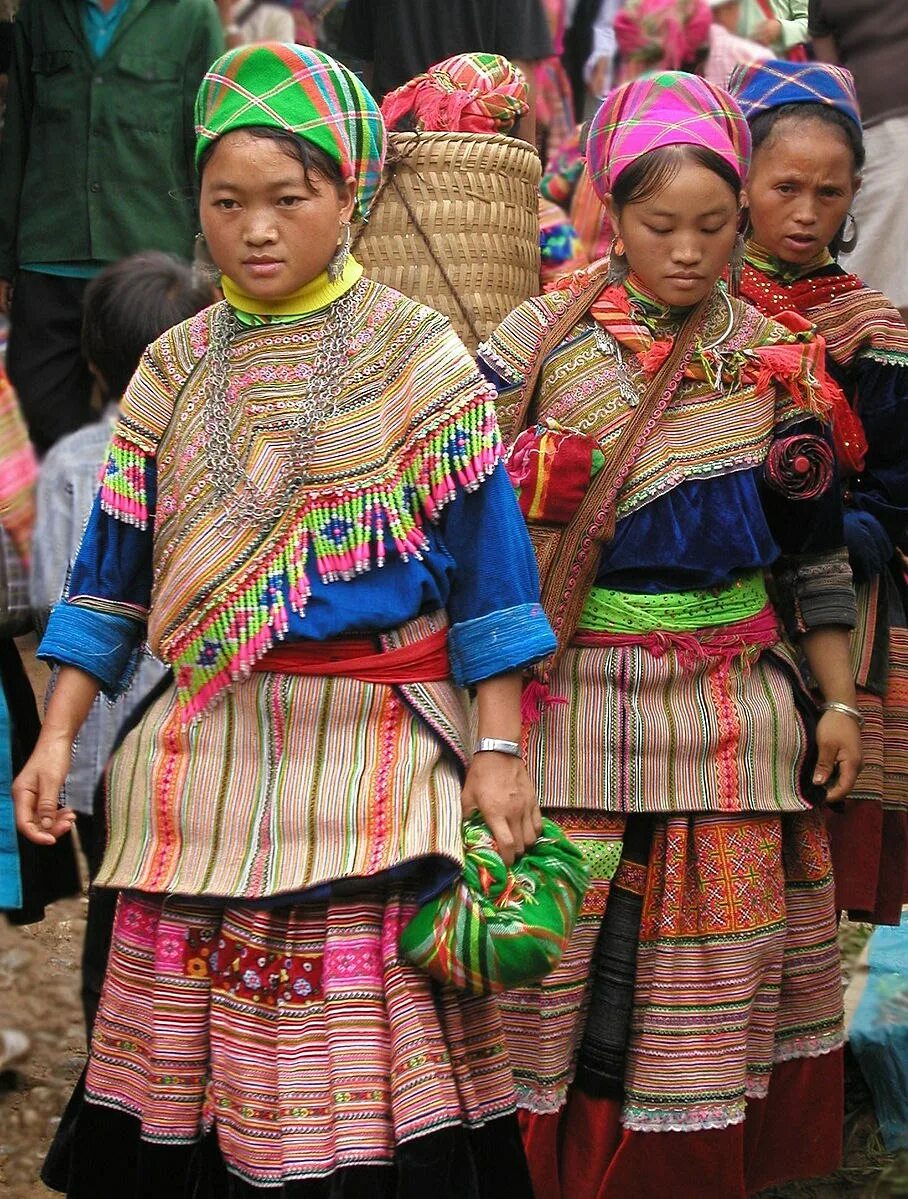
[{"x": 317, "y": 293}]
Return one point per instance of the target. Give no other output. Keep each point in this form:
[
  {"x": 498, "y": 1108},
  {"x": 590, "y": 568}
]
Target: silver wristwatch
[{"x": 485, "y": 744}]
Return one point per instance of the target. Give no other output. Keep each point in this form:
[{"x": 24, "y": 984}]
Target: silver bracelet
[
  {"x": 846, "y": 710},
  {"x": 494, "y": 745}
]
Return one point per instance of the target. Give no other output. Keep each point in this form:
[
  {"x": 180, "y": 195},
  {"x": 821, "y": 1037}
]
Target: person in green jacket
[
  {"x": 96, "y": 163},
  {"x": 779, "y": 24}
]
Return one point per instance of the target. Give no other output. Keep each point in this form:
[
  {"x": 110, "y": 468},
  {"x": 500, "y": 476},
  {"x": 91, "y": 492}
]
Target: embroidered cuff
[
  {"x": 816, "y": 591},
  {"x": 101, "y": 644},
  {"x": 506, "y": 640}
]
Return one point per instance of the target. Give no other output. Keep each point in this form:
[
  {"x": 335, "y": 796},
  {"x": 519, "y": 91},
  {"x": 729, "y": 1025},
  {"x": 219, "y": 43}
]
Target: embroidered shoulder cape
[
  {"x": 414, "y": 423},
  {"x": 867, "y": 353},
  {"x": 750, "y": 376}
]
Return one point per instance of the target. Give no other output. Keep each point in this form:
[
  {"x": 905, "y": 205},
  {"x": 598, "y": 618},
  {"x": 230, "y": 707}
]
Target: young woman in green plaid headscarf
[{"x": 305, "y": 512}]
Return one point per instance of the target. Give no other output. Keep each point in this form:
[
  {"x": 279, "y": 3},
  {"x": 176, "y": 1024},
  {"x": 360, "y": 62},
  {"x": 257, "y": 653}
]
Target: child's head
[
  {"x": 726, "y": 13},
  {"x": 128, "y": 305},
  {"x": 661, "y": 35}
]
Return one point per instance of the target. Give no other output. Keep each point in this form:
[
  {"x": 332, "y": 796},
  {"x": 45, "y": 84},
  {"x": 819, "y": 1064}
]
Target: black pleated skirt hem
[{"x": 98, "y": 1153}]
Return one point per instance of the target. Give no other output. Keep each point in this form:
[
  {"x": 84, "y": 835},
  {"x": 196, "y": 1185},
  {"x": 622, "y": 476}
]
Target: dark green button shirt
[{"x": 97, "y": 154}]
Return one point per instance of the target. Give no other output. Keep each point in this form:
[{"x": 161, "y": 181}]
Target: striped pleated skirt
[
  {"x": 869, "y": 836},
  {"x": 704, "y": 968},
  {"x": 270, "y": 1041},
  {"x": 296, "y": 1037}
]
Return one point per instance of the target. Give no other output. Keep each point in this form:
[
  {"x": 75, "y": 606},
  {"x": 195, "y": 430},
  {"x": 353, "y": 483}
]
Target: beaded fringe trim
[
  {"x": 124, "y": 491},
  {"x": 345, "y": 533}
]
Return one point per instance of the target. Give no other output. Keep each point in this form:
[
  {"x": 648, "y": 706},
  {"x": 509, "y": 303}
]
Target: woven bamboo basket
[{"x": 456, "y": 226}]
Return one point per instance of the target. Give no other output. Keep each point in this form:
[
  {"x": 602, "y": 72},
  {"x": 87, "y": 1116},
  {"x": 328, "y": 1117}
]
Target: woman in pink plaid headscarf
[
  {"x": 661, "y": 35},
  {"x": 670, "y": 446}
]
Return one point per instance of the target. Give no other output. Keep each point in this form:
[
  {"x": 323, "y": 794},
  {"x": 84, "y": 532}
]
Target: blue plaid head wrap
[{"x": 758, "y": 87}]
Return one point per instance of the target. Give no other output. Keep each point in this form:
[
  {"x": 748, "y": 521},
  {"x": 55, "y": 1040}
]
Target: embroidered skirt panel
[
  {"x": 737, "y": 969},
  {"x": 295, "y": 1033}
]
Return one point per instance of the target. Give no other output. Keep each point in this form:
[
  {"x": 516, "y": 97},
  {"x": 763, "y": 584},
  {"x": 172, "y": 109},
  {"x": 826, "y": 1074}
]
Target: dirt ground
[{"x": 39, "y": 993}]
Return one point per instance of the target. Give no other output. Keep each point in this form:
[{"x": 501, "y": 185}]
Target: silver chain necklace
[
  {"x": 242, "y": 499},
  {"x": 609, "y": 345}
]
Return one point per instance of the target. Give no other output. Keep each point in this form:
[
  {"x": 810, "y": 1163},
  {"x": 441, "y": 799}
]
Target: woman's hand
[
  {"x": 498, "y": 786},
  {"x": 768, "y": 33},
  {"x": 36, "y": 791},
  {"x": 827, "y": 650},
  {"x": 839, "y": 745}
]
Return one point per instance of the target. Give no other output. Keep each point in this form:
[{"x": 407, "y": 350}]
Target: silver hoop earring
[
  {"x": 848, "y": 239},
  {"x": 203, "y": 265},
  {"x": 618, "y": 268},
  {"x": 736, "y": 265},
  {"x": 341, "y": 254}
]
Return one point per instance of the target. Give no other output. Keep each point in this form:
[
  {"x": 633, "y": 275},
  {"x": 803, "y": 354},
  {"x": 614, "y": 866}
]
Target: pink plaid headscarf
[
  {"x": 670, "y": 109},
  {"x": 662, "y": 35},
  {"x": 469, "y": 93}
]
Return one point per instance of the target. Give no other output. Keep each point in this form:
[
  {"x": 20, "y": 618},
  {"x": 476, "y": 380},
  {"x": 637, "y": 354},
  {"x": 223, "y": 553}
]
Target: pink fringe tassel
[{"x": 536, "y": 696}]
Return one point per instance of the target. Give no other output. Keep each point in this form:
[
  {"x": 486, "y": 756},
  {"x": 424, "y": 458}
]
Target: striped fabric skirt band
[
  {"x": 250, "y": 802},
  {"x": 737, "y": 968},
  {"x": 638, "y": 732},
  {"x": 869, "y": 838},
  {"x": 296, "y": 1033},
  {"x": 885, "y": 736},
  {"x": 879, "y": 660}
]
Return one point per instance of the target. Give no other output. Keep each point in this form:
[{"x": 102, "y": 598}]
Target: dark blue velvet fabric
[
  {"x": 703, "y": 533},
  {"x": 879, "y": 392},
  {"x": 706, "y": 533}
]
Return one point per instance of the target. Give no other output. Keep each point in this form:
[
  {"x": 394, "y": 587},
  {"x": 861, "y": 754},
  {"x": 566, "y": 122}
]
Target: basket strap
[
  {"x": 575, "y": 562},
  {"x": 464, "y": 311},
  {"x": 391, "y": 181}
]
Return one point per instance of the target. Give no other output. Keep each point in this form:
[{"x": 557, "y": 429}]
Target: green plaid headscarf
[{"x": 304, "y": 92}]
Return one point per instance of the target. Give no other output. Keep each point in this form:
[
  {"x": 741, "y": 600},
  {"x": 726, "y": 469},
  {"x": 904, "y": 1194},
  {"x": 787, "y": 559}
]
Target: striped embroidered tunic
[
  {"x": 259, "y": 784},
  {"x": 663, "y": 720},
  {"x": 867, "y": 353}
]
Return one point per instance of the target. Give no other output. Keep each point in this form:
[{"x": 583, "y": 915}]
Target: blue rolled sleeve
[
  {"x": 509, "y": 639},
  {"x": 100, "y": 643},
  {"x": 497, "y": 622}
]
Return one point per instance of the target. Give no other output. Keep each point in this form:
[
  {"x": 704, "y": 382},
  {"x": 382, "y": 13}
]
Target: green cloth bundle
[{"x": 496, "y": 928}]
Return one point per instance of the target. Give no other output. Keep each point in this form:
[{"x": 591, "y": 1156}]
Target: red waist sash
[{"x": 424, "y": 661}]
